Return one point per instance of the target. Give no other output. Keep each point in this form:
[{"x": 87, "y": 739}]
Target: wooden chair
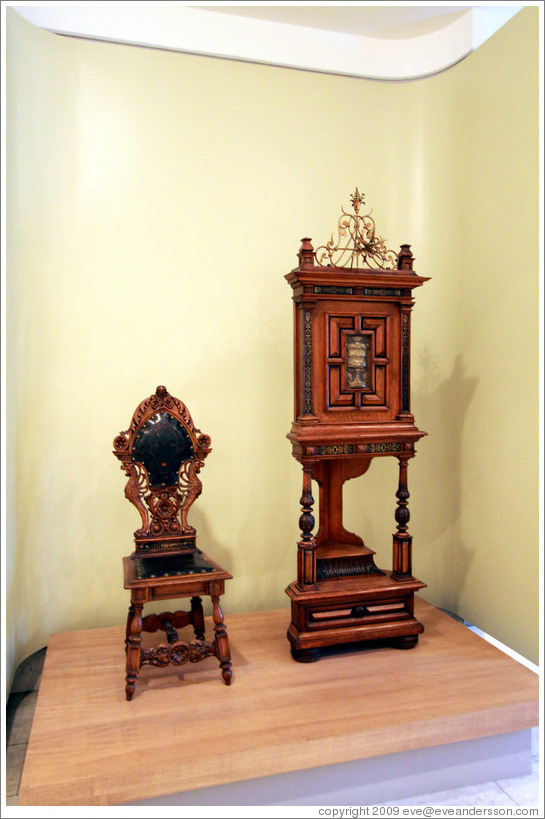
[{"x": 162, "y": 454}]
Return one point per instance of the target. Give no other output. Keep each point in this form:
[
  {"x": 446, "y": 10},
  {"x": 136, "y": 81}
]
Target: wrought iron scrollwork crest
[{"x": 357, "y": 244}]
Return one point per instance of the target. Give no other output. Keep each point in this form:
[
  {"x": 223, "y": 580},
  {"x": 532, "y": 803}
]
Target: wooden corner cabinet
[{"x": 352, "y": 322}]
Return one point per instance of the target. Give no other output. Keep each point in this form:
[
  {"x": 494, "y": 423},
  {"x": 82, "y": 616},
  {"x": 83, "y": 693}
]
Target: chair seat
[
  {"x": 174, "y": 565},
  {"x": 169, "y": 576}
]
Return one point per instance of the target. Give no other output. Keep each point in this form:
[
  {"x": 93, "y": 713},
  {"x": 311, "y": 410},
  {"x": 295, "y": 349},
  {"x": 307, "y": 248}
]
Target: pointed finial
[{"x": 357, "y": 199}]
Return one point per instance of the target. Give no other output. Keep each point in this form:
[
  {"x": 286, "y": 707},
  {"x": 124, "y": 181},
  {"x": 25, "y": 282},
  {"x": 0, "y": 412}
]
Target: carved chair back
[{"x": 162, "y": 454}]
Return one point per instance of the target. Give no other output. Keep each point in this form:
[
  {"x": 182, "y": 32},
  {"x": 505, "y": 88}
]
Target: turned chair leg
[
  {"x": 197, "y": 617},
  {"x": 223, "y": 652},
  {"x": 127, "y": 630},
  {"x": 134, "y": 651}
]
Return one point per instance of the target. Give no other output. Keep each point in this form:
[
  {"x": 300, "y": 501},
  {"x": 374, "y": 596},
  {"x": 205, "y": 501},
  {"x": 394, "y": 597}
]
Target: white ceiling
[
  {"x": 385, "y": 41},
  {"x": 385, "y": 22}
]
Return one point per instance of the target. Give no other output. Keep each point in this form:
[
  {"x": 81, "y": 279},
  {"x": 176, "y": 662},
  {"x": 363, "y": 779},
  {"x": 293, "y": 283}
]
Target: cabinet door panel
[{"x": 358, "y": 359}]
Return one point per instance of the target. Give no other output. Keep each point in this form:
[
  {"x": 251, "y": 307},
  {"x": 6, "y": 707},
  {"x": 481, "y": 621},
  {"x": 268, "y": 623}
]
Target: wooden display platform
[{"x": 185, "y": 730}]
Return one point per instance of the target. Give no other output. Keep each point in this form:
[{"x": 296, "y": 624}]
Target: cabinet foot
[
  {"x": 305, "y": 655},
  {"x": 409, "y": 641}
]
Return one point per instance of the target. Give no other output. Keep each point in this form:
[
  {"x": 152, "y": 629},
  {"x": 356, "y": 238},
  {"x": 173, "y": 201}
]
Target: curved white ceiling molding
[{"x": 221, "y": 34}]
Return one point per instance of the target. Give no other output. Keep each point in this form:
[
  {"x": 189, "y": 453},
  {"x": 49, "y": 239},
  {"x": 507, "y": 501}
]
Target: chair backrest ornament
[{"x": 162, "y": 454}]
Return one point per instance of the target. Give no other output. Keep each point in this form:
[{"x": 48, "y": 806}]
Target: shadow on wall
[{"x": 444, "y": 404}]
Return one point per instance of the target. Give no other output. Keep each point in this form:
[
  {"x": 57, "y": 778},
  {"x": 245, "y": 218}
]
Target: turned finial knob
[
  {"x": 405, "y": 258},
  {"x": 306, "y": 253}
]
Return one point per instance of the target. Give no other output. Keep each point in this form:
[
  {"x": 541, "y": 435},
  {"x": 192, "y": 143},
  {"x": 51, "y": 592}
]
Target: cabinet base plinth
[{"x": 363, "y": 609}]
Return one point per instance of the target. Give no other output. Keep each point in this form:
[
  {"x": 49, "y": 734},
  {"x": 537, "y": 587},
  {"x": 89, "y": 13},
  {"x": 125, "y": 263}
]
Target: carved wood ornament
[{"x": 162, "y": 491}]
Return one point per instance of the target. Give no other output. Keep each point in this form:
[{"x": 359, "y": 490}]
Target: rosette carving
[
  {"x": 203, "y": 441},
  {"x": 164, "y": 505},
  {"x": 121, "y": 441}
]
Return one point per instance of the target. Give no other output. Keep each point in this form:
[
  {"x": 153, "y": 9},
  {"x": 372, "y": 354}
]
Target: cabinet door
[{"x": 360, "y": 347}]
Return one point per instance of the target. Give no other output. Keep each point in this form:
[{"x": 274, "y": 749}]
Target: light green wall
[
  {"x": 498, "y": 335},
  {"x": 155, "y": 202}
]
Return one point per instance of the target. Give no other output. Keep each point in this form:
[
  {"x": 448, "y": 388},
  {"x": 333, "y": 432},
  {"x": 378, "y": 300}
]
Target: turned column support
[
  {"x": 402, "y": 540},
  {"x": 306, "y": 547}
]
